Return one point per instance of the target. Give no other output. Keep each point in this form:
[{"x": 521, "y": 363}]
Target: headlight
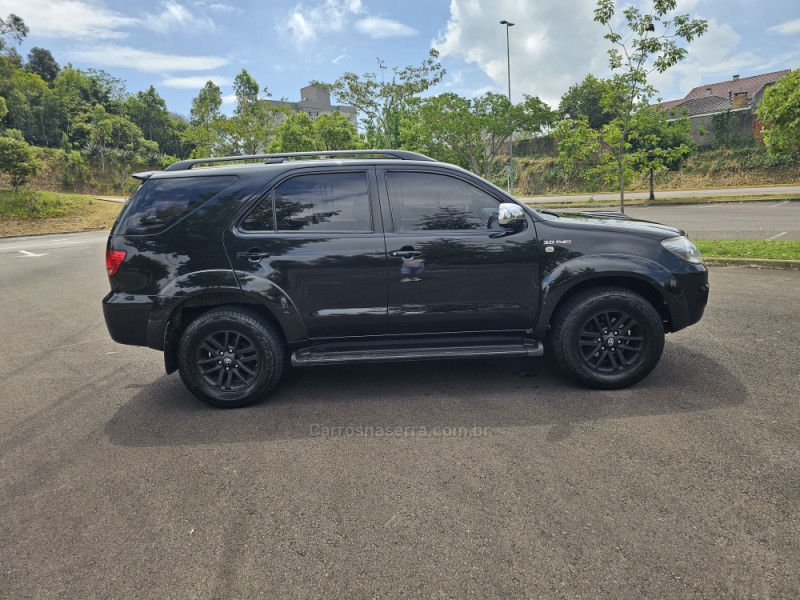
[{"x": 685, "y": 248}]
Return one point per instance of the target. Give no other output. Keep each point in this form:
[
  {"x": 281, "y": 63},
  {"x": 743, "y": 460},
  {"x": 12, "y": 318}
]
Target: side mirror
[{"x": 511, "y": 216}]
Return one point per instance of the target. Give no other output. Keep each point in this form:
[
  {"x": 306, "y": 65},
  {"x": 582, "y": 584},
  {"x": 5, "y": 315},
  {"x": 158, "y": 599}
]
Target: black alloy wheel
[
  {"x": 231, "y": 356},
  {"x": 611, "y": 341},
  {"x": 607, "y": 338},
  {"x": 227, "y": 360}
]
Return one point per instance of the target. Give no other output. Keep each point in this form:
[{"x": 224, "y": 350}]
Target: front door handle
[{"x": 254, "y": 255}]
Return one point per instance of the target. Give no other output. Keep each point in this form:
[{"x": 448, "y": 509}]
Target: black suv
[{"x": 381, "y": 255}]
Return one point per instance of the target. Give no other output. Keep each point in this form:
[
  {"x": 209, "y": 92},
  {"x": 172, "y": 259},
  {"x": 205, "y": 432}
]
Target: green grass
[
  {"x": 27, "y": 212},
  {"x": 26, "y": 204},
  {"x": 757, "y": 249}
]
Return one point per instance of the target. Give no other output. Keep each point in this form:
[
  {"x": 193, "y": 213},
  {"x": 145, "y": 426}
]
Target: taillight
[{"x": 114, "y": 259}]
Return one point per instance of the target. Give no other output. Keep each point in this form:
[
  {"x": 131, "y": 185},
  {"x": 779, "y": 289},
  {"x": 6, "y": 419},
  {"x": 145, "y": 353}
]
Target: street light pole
[{"x": 508, "y": 25}]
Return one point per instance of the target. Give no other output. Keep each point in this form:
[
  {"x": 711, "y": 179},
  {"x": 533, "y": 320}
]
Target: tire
[
  {"x": 589, "y": 347},
  {"x": 231, "y": 357}
]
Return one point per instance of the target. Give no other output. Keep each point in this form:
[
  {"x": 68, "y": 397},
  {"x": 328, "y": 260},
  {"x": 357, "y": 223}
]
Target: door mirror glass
[{"x": 511, "y": 216}]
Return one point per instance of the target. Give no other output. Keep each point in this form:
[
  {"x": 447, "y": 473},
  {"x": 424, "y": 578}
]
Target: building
[
  {"x": 738, "y": 98},
  {"x": 316, "y": 101}
]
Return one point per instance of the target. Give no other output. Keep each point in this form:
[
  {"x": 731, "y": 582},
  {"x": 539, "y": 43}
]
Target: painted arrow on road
[{"x": 25, "y": 253}]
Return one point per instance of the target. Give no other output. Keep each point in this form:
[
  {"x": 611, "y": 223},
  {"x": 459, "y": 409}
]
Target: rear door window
[
  {"x": 159, "y": 203},
  {"x": 320, "y": 202}
]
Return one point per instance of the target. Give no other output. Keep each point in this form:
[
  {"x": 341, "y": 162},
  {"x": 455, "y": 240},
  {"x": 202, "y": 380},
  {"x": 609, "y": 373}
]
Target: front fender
[{"x": 579, "y": 271}]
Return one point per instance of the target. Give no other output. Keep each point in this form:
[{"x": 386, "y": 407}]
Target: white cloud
[
  {"x": 194, "y": 82},
  {"x": 306, "y": 24},
  {"x": 73, "y": 19},
  {"x": 229, "y": 99},
  {"x": 553, "y": 44},
  {"x": 377, "y": 28},
  {"x": 110, "y": 55},
  {"x": 225, "y": 8},
  {"x": 482, "y": 90},
  {"x": 339, "y": 58},
  {"x": 787, "y": 28},
  {"x": 712, "y": 57},
  {"x": 174, "y": 16}
]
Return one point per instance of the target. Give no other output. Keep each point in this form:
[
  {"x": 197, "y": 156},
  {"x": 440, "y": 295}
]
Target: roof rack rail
[{"x": 185, "y": 165}]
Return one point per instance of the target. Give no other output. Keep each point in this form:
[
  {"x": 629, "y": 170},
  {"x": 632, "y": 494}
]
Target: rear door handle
[{"x": 254, "y": 255}]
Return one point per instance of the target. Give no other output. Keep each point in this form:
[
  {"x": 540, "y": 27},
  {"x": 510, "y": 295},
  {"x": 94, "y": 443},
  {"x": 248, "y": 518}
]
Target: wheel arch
[
  {"x": 653, "y": 284},
  {"x": 179, "y": 316}
]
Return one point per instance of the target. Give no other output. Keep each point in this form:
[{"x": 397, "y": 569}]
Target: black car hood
[{"x": 617, "y": 221}]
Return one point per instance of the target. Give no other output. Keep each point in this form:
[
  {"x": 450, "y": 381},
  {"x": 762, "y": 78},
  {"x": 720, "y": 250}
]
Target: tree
[
  {"x": 379, "y": 99},
  {"x": 585, "y": 99},
  {"x": 12, "y": 27},
  {"x": 252, "y": 126},
  {"x": 334, "y": 131},
  {"x": 779, "y": 111},
  {"x": 18, "y": 160},
  {"x": 474, "y": 132},
  {"x": 653, "y": 144},
  {"x": 295, "y": 134},
  {"x": 203, "y": 130},
  {"x": 649, "y": 44},
  {"x": 658, "y": 143},
  {"x": 148, "y": 110},
  {"x": 41, "y": 62}
]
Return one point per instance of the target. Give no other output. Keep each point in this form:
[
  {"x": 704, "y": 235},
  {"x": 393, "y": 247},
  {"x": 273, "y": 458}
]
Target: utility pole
[{"x": 508, "y": 25}]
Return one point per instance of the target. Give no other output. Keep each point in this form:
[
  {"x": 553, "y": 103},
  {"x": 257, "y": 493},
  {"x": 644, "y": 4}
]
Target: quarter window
[
  {"x": 430, "y": 202},
  {"x": 159, "y": 203}
]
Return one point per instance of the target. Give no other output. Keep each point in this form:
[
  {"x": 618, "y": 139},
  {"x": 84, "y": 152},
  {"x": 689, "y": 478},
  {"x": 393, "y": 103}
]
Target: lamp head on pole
[{"x": 506, "y": 23}]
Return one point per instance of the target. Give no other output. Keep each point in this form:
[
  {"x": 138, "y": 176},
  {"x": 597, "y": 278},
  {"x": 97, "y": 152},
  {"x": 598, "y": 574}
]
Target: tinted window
[
  {"x": 261, "y": 218},
  {"x": 428, "y": 201},
  {"x": 320, "y": 202},
  {"x": 161, "y": 202}
]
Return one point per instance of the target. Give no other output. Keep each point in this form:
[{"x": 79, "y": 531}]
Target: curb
[
  {"x": 754, "y": 263},
  {"x": 27, "y": 235}
]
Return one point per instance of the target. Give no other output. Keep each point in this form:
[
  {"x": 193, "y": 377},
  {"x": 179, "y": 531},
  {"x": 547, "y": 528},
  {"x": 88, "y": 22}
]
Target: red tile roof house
[{"x": 740, "y": 96}]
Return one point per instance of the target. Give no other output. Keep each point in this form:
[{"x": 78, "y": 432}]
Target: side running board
[{"x": 310, "y": 356}]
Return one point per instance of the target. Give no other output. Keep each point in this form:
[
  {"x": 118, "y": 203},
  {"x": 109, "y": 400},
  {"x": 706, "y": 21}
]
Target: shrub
[
  {"x": 18, "y": 160},
  {"x": 73, "y": 173}
]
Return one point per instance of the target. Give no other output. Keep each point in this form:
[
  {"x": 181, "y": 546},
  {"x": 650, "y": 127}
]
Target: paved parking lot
[
  {"x": 451, "y": 479},
  {"x": 779, "y": 220}
]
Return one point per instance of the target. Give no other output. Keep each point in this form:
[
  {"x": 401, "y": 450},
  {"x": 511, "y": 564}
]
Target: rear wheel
[
  {"x": 608, "y": 338},
  {"x": 231, "y": 357}
]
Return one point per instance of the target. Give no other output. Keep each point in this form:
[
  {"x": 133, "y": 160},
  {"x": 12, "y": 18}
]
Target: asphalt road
[
  {"x": 700, "y": 193},
  {"x": 754, "y": 220},
  {"x": 116, "y": 482}
]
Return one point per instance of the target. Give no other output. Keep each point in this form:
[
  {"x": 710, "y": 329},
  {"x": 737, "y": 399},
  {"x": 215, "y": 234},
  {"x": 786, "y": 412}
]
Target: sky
[{"x": 178, "y": 45}]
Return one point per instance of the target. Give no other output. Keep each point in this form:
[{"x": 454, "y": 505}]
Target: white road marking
[
  {"x": 775, "y": 237},
  {"x": 49, "y": 243},
  {"x": 779, "y": 204},
  {"x": 25, "y": 254}
]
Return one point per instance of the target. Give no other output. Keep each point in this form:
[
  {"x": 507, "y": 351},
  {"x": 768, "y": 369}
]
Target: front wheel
[
  {"x": 608, "y": 338},
  {"x": 230, "y": 357}
]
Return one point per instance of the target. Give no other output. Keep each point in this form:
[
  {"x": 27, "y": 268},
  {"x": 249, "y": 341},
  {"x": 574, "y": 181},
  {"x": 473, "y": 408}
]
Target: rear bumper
[{"x": 127, "y": 317}]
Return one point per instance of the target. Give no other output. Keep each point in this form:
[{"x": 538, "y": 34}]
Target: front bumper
[{"x": 689, "y": 301}]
